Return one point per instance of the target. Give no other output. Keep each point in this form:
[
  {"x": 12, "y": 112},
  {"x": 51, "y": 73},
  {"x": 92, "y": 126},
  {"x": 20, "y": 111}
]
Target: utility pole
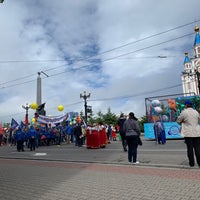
[{"x": 84, "y": 96}]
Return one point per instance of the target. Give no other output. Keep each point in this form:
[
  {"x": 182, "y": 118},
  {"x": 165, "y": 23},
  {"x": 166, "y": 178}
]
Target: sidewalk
[{"x": 68, "y": 172}]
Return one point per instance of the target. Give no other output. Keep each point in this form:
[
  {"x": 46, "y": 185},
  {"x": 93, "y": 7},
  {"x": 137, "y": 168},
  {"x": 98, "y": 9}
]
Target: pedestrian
[
  {"x": 132, "y": 134},
  {"x": 120, "y": 123},
  {"x": 68, "y": 133},
  {"x": 189, "y": 120},
  {"x": 159, "y": 132},
  {"x": 109, "y": 133},
  {"x": 78, "y": 134},
  {"x": 32, "y": 138},
  {"x": 19, "y": 137}
]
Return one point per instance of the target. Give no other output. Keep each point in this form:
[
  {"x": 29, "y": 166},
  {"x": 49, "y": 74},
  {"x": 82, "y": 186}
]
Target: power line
[
  {"x": 113, "y": 98},
  {"x": 110, "y": 50},
  {"x": 137, "y": 95},
  {"x": 105, "y": 60},
  {"x": 115, "y": 57}
]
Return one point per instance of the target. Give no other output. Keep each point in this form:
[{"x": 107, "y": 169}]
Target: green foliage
[
  {"x": 142, "y": 120},
  {"x": 108, "y": 118},
  {"x": 111, "y": 118}
]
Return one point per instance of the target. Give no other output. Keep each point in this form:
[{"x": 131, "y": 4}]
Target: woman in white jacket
[{"x": 189, "y": 120}]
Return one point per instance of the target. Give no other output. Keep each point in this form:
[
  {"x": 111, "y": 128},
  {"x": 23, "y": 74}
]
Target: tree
[
  {"x": 141, "y": 121},
  {"x": 110, "y": 118},
  {"x": 99, "y": 118}
]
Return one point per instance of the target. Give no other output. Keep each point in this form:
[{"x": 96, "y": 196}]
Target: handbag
[{"x": 139, "y": 141}]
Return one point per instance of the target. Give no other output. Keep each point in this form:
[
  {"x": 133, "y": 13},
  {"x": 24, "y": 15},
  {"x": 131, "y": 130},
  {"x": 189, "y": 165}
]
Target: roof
[{"x": 187, "y": 59}]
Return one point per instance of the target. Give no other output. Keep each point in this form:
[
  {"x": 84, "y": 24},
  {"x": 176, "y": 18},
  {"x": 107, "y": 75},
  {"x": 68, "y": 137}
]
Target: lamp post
[
  {"x": 85, "y": 96},
  {"x": 26, "y": 107}
]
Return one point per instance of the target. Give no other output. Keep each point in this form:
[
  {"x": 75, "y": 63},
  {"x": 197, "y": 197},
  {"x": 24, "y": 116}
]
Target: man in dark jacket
[
  {"x": 32, "y": 138},
  {"x": 78, "y": 134},
  {"x": 120, "y": 123},
  {"x": 19, "y": 137}
]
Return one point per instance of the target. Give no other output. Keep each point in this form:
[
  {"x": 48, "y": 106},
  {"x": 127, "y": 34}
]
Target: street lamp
[
  {"x": 26, "y": 107},
  {"x": 84, "y": 96}
]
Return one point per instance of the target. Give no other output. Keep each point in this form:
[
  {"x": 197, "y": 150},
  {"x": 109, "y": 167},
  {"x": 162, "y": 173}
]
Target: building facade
[{"x": 191, "y": 75}]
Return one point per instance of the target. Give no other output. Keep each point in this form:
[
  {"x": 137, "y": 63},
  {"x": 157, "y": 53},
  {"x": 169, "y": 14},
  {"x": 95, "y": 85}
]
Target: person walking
[
  {"x": 120, "y": 123},
  {"x": 189, "y": 120},
  {"x": 132, "y": 133}
]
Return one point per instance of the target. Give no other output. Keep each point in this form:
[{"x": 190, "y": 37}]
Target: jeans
[
  {"x": 132, "y": 142},
  {"x": 32, "y": 144},
  {"x": 193, "y": 146},
  {"x": 124, "y": 143}
]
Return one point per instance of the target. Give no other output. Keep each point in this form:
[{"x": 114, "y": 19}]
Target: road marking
[{"x": 40, "y": 154}]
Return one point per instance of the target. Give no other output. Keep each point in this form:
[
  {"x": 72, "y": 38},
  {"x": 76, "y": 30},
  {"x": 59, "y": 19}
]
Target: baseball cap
[{"x": 188, "y": 102}]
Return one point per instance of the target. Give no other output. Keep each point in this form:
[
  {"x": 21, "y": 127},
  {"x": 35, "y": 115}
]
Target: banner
[{"x": 52, "y": 119}]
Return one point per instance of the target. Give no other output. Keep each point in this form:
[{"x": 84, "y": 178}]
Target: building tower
[{"x": 191, "y": 74}]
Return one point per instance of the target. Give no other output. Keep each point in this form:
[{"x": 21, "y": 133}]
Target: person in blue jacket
[
  {"x": 19, "y": 137},
  {"x": 32, "y": 135}
]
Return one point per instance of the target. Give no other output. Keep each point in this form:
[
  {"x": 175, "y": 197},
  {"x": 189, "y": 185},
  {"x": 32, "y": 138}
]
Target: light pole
[
  {"x": 26, "y": 107},
  {"x": 84, "y": 96}
]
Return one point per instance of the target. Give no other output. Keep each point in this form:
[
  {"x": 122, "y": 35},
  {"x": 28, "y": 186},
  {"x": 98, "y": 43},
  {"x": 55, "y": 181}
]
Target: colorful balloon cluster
[
  {"x": 156, "y": 110},
  {"x": 156, "y": 106}
]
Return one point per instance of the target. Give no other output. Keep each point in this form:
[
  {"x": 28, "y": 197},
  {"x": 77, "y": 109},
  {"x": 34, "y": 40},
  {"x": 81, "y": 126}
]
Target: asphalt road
[{"x": 172, "y": 154}]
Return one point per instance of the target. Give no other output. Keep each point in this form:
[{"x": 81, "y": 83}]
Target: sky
[{"x": 120, "y": 52}]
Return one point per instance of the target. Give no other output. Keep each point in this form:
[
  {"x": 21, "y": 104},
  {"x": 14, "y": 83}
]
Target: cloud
[{"x": 101, "y": 47}]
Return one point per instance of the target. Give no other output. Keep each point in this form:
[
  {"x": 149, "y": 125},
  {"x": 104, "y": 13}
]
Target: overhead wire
[
  {"x": 115, "y": 48},
  {"x": 105, "y": 60},
  {"x": 86, "y": 58}
]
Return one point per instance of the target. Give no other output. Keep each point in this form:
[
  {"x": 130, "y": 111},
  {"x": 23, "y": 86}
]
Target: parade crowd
[{"x": 34, "y": 136}]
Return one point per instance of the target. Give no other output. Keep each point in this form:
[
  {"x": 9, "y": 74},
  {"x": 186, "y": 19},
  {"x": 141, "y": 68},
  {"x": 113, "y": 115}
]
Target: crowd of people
[
  {"x": 127, "y": 127},
  {"x": 34, "y": 136}
]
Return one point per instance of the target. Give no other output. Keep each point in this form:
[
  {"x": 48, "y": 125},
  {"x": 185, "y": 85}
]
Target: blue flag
[
  {"x": 22, "y": 125},
  {"x": 14, "y": 124}
]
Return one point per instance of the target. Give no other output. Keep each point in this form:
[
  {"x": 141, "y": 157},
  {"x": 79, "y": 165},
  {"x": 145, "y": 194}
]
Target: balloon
[
  {"x": 155, "y": 103},
  {"x": 165, "y": 118},
  {"x": 33, "y": 120},
  {"x": 34, "y": 106},
  {"x": 79, "y": 119},
  {"x": 60, "y": 108},
  {"x": 158, "y": 109}
]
